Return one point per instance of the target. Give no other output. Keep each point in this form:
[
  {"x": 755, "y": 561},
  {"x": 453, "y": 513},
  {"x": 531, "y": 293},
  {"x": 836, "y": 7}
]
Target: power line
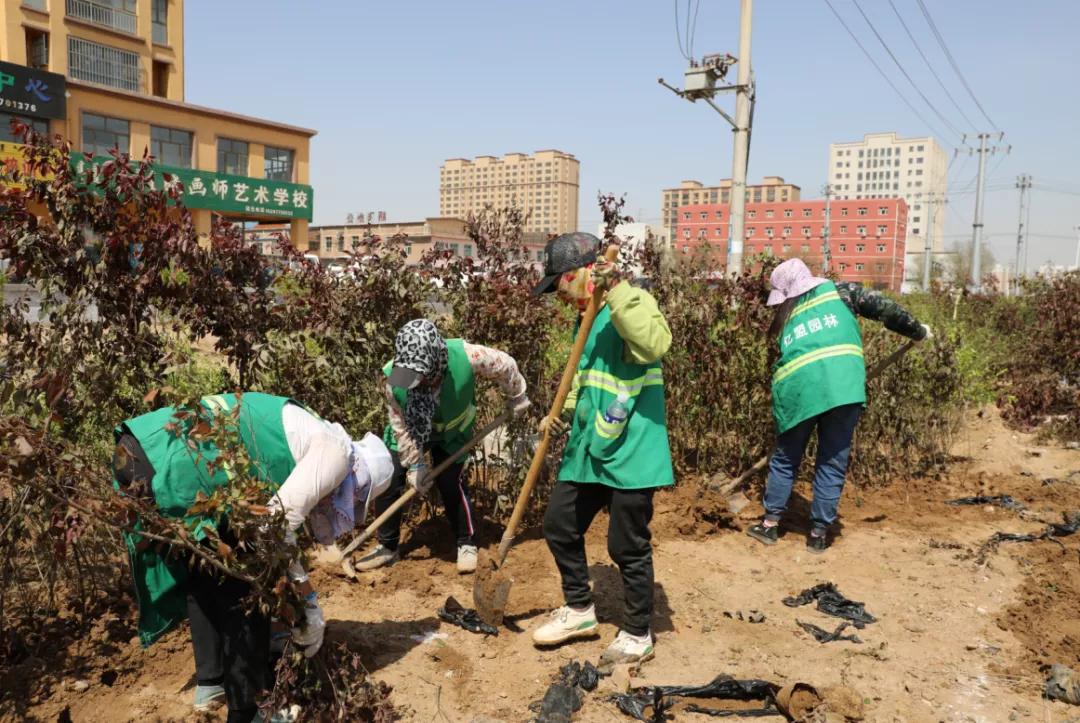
[
  {"x": 882, "y": 72},
  {"x": 678, "y": 35},
  {"x": 929, "y": 65},
  {"x": 903, "y": 70},
  {"x": 1041, "y": 187},
  {"x": 692, "y": 33},
  {"x": 952, "y": 61}
]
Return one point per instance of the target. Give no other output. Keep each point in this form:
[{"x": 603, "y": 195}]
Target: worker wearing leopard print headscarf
[{"x": 431, "y": 398}]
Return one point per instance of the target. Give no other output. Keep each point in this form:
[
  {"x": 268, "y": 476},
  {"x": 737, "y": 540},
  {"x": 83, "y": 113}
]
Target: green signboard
[{"x": 229, "y": 194}]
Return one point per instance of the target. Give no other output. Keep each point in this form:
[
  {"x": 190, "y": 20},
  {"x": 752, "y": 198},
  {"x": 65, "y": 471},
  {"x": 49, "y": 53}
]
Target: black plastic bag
[
  {"x": 1004, "y": 501},
  {"x": 565, "y": 696},
  {"x": 824, "y": 636},
  {"x": 658, "y": 700},
  {"x": 832, "y": 602},
  {"x": 453, "y": 612},
  {"x": 586, "y": 677}
]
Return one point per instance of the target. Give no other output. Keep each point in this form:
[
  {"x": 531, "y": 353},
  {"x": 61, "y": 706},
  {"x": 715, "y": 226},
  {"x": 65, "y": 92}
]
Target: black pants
[
  {"x": 232, "y": 648},
  {"x": 570, "y": 512},
  {"x": 452, "y": 489}
]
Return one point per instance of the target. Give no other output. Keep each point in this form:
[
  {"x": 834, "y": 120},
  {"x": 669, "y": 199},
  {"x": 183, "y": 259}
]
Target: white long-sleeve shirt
[{"x": 487, "y": 363}]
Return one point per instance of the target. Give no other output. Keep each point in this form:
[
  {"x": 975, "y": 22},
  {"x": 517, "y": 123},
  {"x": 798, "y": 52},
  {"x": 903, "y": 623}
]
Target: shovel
[
  {"x": 346, "y": 562},
  {"x": 737, "y": 500},
  {"x": 491, "y": 586}
]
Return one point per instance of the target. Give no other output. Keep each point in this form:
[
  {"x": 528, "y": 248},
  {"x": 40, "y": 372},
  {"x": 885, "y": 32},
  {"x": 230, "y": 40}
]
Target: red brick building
[{"x": 867, "y": 238}]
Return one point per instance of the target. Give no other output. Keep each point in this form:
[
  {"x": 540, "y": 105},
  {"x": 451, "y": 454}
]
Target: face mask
[{"x": 576, "y": 287}]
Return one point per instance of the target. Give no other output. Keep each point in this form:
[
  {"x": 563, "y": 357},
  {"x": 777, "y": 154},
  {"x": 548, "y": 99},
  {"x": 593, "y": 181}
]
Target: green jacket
[
  {"x": 622, "y": 353},
  {"x": 180, "y": 474},
  {"x": 455, "y": 419}
]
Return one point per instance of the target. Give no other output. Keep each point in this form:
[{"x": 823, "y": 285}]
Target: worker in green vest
[
  {"x": 431, "y": 401},
  {"x": 317, "y": 472},
  {"x": 819, "y": 382},
  {"x": 617, "y": 453}
]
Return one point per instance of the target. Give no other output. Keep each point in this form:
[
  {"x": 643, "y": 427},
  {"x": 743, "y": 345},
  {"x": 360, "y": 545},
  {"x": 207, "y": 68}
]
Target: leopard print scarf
[{"x": 419, "y": 346}]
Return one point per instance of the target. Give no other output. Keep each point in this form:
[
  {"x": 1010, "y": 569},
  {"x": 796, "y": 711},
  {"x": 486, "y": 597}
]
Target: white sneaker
[
  {"x": 466, "y": 559},
  {"x": 627, "y": 648},
  {"x": 379, "y": 557},
  {"x": 209, "y": 697},
  {"x": 566, "y": 623}
]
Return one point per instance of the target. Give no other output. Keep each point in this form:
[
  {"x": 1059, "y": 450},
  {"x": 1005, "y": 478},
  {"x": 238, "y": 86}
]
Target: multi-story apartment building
[
  {"x": 883, "y": 165},
  {"x": 771, "y": 188},
  {"x": 544, "y": 185},
  {"x": 109, "y": 74},
  {"x": 867, "y": 239}
]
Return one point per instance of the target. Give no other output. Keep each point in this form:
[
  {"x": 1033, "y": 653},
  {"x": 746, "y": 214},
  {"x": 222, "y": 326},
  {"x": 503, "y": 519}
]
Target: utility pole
[
  {"x": 1023, "y": 182},
  {"x": 741, "y": 156},
  {"x": 928, "y": 244},
  {"x": 825, "y": 250},
  {"x": 1077, "y": 267},
  {"x": 701, "y": 84},
  {"x": 977, "y": 225}
]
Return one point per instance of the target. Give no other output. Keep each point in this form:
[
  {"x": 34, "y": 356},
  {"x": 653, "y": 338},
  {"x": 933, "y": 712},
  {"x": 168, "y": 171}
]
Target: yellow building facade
[
  {"x": 119, "y": 65},
  {"x": 544, "y": 185}
]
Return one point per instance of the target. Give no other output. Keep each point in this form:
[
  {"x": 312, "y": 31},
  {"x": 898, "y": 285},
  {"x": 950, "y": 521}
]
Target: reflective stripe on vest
[
  {"x": 608, "y": 430},
  {"x": 817, "y": 301},
  {"x": 459, "y": 422},
  {"x": 611, "y": 383},
  {"x": 814, "y": 356}
]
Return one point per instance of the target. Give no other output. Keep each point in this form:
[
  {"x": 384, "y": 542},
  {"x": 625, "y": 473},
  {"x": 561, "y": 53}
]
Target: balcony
[{"x": 104, "y": 14}]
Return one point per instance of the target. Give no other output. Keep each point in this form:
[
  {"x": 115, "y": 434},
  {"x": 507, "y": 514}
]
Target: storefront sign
[
  {"x": 222, "y": 192},
  {"x": 29, "y": 92}
]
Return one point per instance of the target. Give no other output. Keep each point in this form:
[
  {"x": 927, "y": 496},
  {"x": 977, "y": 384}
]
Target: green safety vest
[
  {"x": 631, "y": 455},
  {"x": 455, "y": 417},
  {"x": 180, "y": 474},
  {"x": 821, "y": 359}
]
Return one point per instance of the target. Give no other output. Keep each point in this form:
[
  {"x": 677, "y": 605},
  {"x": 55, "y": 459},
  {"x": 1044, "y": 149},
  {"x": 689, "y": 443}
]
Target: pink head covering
[{"x": 791, "y": 279}]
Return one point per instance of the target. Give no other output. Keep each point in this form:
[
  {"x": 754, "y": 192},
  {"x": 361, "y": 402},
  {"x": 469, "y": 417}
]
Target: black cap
[{"x": 563, "y": 254}]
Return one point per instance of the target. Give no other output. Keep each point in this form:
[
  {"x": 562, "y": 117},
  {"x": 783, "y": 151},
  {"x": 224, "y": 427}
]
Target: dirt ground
[{"x": 956, "y": 639}]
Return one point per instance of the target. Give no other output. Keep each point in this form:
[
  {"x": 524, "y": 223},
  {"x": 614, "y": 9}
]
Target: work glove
[
  {"x": 928, "y": 335},
  {"x": 419, "y": 479},
  {"x": 605, "y": 274},
  {"x": 310, "y": 635},
  {"x": 518, "y": 405},
  {"x": 557, "y": 425}
]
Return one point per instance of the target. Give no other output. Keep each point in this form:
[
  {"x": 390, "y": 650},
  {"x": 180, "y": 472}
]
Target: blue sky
[{"x": 394, "y": 88}]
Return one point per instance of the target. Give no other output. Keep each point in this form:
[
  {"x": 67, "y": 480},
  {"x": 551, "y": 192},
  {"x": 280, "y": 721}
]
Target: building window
[
  {"x": 882, "y": 230},
  {"x": 860, "y": 248},
  {"x": 328, "y": 243},
  {"x": 278, "y": 164},
  {"x": 769, "y": 231},
  {"x": 883, "y": 211},
  {"x": 101, "y": 134},
  {"x": 842, "y": 248},
  {"x": 843, "y": 212},
  {"x": 787, "y": 231},
  {"x": 686, "y": 233},
  {"x": 170, "y": 146},
  {"x": 861, "y": 230},
  {"x": 787, "y": 213},
  {"x": 751, "y": 214},
  {"x": 686, "y": 217},
  {"x": 704, "y": 216},
  {"x": 39, "y": 125},
  {"x": 232, "y": 156},
  {"x": 701, "y": 233},
  {"x": 881, "y": 248},
  {"x": 915, "y": 230},
  {"x": 860, "y": 267},
  {"x": 159, "y": 17},
  {"x": 719, "y": 215},
  {"x": 769, "y": 213},
  {"x": 805, "y": 248},
  {"x": 806, "y": 231},
  {"x": 37, "y": 49},
  {"x": 103, "y": 65},
  {"x": 863, "y": 211},
  {"x": 787, "y": 248},
  {"x": 843, "y": 267}
]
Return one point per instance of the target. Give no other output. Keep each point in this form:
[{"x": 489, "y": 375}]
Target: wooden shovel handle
[
  {"x": 874, "y": 372},
  {"x": 411, "y": 492},
  {"x": 587, "y": 319}
]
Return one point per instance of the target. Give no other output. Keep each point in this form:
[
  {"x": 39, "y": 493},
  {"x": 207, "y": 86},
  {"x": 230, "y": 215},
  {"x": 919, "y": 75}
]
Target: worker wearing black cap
[{"x": 431, "y": 396}]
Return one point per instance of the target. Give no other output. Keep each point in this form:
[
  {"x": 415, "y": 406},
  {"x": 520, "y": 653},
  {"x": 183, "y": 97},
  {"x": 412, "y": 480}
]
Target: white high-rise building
[{"x": 883, "y": 165}]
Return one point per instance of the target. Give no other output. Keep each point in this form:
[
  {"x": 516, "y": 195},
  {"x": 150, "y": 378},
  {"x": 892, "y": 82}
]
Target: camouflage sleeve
[{"x": 872, "y": 305}]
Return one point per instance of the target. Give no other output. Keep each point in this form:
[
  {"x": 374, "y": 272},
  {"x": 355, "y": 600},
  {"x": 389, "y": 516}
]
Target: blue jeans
[{"x": 835, "y": 430}]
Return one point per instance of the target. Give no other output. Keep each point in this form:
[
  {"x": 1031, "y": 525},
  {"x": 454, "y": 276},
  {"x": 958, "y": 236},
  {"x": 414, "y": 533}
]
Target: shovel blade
[{"x": 491, "y": 590}]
